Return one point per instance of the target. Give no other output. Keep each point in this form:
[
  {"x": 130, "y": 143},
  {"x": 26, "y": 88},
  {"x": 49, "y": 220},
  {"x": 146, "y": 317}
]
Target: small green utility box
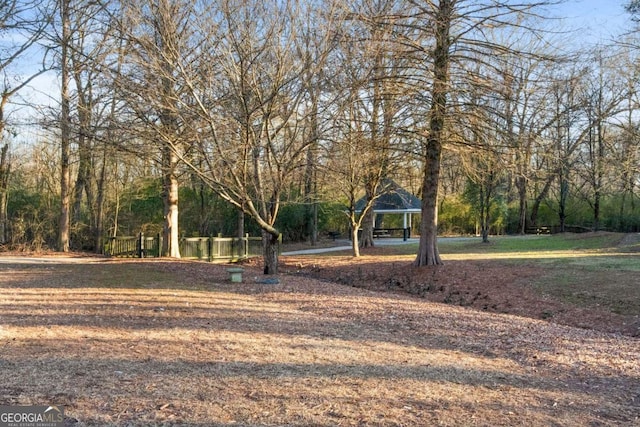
[{"x": 235, "y": 273}]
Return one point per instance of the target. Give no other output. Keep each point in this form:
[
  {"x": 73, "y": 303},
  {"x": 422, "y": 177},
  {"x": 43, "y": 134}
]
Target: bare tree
[
  {"x": 523, "y": 118},
  {"x": 314, "y": 81},
  {"x": 553, "y": 153},
  {"x": 603, "y": 94},
  {"x": 451, "y": 36},
  {"x": 70, "y": 39},
  {"x": 367, "y": 141},
  {"x": 64, "y": 229},
  {"x": 626, "y": 147},
  {"x": 5, "y": 173},
  {"x": 566, "y": 137},
  {"x": 443, "y": 16},
  {"x": 24, "y": 22},
  {"x": 248, "y": 92},
  {"x": 160, "y": 45},
  {"x": 484, "y": 161},
  {"x": 349, "y": 159},
  {"x": 633, "y": 7},
  {"x": 91, "y": 49}
]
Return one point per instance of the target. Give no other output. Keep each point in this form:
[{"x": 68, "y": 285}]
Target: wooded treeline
[{"x": 203, "y": 117}]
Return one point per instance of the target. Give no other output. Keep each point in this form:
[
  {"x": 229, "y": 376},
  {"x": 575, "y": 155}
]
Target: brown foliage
[
  {"x": 490, "y": 286},
  {"x": 130, "y": 343}
]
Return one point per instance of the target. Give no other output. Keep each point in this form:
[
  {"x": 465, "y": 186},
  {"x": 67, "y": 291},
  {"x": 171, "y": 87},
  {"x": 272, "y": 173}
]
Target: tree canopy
[{"x": 278, "y": 117}]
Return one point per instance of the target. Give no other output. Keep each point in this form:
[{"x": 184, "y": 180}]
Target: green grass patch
[
  {"x": 592, "y": 270},
  {"x": 530, "y": 243},
  {"x": 595, "y": 262},
  {"x": 614, "y": 290},
  {"x": 521, "y": 244}
]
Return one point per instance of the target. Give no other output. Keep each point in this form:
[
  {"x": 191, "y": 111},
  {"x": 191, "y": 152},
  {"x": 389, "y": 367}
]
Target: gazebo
[{"x": 393, "y": 199}]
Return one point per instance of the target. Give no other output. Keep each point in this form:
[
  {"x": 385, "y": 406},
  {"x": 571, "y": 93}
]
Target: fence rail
[{"x": 204, "y": 248}]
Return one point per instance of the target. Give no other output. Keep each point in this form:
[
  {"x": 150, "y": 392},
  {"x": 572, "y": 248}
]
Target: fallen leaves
[{"x": 189, "y": 348}]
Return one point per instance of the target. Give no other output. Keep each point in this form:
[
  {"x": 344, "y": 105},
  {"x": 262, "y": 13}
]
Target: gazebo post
[{"x": 405, "y": 234}]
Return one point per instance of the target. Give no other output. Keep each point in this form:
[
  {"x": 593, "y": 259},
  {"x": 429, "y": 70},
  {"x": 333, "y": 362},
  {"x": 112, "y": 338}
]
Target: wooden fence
[{"x": 204, "y": 248}]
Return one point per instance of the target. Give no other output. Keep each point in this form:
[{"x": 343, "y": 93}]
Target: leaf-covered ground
[
  {"x": 126, "y": 343},
  {"x": 494, "y": 287}
]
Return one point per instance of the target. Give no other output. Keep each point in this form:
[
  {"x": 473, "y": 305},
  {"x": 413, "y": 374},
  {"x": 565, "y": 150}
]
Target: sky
[
  {"x": 592, "y": 22},
  {"x": 595, "y": 20}
]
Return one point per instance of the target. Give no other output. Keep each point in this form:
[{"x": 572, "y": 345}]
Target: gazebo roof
[{"x": 393, "y": 199}]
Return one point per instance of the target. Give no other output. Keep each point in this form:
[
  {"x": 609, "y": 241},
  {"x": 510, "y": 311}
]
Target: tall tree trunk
[
  {"x": 521, "y": 185},
  {"x": 171, "y": 237},
  {"x": 314, "y": 219},
  {"x": 310, "y": 196},
  {"x": 368, "y": 223},
  {"x": 82, "y": 184},
  {"x": 596, "y": 210},
  {"x": 564, "y": 196},
  {"x": 5, "y": 171},
  {"x": 168, "y": 43},
  {"x": 310, "y": 175},
  {"x": 99, "y": 232},
  {"x": 203, "y": 209},
  {"x": 84, "y": 141},
  {"x": 599, "y": 175},
  {"x": 485, "y": 209},
  {"x": 428, "y": 253},
  {"x": 535, "y": 208},
  {"x": 240, "y": 224},
  {"x": 65, "y": 134},
  {"x": 100, "y": 190},
  {"x": 271, "y": 248},
  {"x": 355, "y": 245}
]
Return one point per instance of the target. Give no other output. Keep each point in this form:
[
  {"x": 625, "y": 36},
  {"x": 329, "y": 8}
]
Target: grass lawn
[
  {"x": 530, "y": 244},
  {"x": 162, "y": 343},
  {"x": 588, "y": 270}
]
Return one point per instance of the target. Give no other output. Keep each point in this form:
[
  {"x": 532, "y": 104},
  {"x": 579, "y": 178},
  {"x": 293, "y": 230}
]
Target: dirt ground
[
  {"x": 490, "y": 286},
  {"x": 335, "y": 342}
]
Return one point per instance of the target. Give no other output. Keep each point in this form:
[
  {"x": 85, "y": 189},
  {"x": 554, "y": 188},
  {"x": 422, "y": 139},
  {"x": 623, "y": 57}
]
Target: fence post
[
  {"x": 140, "y": 245},
  {"x": 233, "y": 252},
  {"x": 246, "y": 245}
]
